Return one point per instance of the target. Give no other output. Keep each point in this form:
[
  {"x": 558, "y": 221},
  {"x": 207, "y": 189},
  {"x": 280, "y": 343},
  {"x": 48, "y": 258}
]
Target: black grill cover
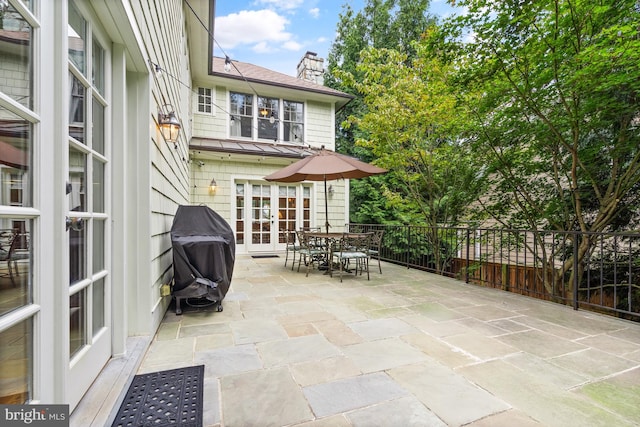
[{"x": 204, "y": 251}]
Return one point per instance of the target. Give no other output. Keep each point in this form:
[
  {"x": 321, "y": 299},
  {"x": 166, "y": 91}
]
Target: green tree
[
  {"x": 559, "y": 121},
  {"x": 412, "y": 125},
  {"x": 380, "y": 24}
]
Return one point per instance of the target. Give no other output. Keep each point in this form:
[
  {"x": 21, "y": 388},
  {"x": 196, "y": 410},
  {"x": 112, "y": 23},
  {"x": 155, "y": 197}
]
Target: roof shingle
[{"x": 253, "y": 73}]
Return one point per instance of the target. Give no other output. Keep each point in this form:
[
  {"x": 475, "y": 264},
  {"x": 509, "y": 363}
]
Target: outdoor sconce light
[
  {"x": 213, "y": 185},
  {"x": 169, "y": 124},
  {"x": 331, "y": 190}
]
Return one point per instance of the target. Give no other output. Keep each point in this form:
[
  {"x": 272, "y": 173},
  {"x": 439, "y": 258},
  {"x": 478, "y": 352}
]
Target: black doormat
[
  {"x": 265, "y": 256},
  {"x": 165, "y": 398}
]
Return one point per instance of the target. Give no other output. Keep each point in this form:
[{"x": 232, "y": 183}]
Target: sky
[{"x": 276, "y": 34}]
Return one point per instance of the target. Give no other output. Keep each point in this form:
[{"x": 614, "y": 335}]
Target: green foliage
[
  {"x": 412, "y": 126},
  {"x": 557, "y": 125},
  {"x": 380, "y": 24}
]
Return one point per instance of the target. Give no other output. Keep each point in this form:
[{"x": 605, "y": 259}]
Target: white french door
[
  {"x": 89, "y": 200},
  {"x": 263, "y": 209},
  {"x": 262, "y": 217}
]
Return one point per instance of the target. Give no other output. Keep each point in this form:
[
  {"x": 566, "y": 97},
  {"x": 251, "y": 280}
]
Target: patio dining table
[{"x": 326, "y": 240}]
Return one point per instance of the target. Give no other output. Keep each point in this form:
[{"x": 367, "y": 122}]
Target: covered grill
[{"x": 203, "y": 255}]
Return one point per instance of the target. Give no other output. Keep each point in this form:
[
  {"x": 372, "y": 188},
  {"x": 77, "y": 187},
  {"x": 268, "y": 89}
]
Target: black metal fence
[{"x": 595, "y": 271}]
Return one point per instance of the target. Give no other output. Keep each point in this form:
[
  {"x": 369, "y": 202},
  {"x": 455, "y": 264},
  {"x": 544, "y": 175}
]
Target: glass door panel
[
  {"x": 88, "y": 217},
  {"x": 240, "y": 214},
  {"x": 16, "y": 363},
  {"x": 287, "y": 209},
  {"x": 261, "y": 216},
  {"x": 263, "y": 209}
]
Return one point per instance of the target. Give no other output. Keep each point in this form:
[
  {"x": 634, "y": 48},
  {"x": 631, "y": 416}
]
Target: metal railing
[{"x": 595, "y": 271}]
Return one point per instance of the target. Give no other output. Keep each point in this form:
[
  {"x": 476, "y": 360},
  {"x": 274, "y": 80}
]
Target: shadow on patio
[{"x": 405, "y": 348}]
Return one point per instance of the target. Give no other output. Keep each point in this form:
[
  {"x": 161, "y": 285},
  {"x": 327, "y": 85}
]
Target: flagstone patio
[{"x": 406, "y": 348}]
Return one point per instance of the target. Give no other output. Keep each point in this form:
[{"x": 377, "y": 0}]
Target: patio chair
[
  {"x": 18, "y": 250},
  {"x": 310, "y": 252},
  {"x": 351, "y": 247},
  {"x": 376, "y": 246},
  {"x": 288, "y": 237}
]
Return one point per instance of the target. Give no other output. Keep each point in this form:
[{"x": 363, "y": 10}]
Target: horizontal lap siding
[
  {"x": 319, "y": 125},
  {"x": 161, "y": 25}
]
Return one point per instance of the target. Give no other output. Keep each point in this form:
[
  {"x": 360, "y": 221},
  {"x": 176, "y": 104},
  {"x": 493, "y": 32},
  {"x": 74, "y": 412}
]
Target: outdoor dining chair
[
  {"x": 310, "y": 251},
  {"x": 18, "y": 250},
  {"x": 376, "y": 246},
  {"x": 351, "y": 247},
  {"x": 288, "y": 237}
]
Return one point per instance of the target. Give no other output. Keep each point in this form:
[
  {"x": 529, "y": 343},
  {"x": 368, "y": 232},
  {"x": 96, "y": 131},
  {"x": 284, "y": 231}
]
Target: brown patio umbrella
[
  {"x": 324, "y": 165},
  {"x": 12, "y": 156}
]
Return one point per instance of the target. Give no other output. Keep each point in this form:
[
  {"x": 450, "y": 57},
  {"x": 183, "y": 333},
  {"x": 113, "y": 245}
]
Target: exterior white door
[
  {"x": 262, "y": 216},
  {"x": 20, "y": 288},
  {"x": 89, "y": 201},
  {"x": 263, "y": 209}
]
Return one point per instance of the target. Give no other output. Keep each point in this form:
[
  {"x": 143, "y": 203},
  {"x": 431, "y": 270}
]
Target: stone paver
[
  {"x": 268, "y": 398},
  {"x": 406, "y": 348},
  {"x": 296, "y": 350},
  {"x": 383, "y": 354},
  {"x": 540, "y": 399},
  {"x": 382, "y": 328},
  {"x": 619, "y": 394},
  {"x": 352, "y": 393},
  {"x": 229, "y": 360},
  {"x": 433, "y": 384},
  {"x": 403, "y": 412}
]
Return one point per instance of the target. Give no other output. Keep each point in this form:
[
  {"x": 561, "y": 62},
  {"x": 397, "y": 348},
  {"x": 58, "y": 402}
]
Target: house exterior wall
[
  {"x": 320, "y": 125},
  {"x": 319, "y": 117},
  {"x": 228, "y": 169},
  {"x": 164, "y": 43},
  {"x": 145, "y": 179}
]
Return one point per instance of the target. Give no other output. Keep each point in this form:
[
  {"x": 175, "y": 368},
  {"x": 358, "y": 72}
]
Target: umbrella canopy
[
  {"x": 12, "y": 156},
  {"x": 322, "y": 166}
]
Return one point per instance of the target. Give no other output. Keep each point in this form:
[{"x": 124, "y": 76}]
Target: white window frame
[
  {"x": 256, "y": 118},
  {"x": 210, "y": 104}
]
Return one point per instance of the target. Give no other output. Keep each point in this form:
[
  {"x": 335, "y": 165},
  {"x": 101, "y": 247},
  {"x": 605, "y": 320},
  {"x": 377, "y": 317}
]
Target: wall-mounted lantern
[{"x": 169, "y": 124}]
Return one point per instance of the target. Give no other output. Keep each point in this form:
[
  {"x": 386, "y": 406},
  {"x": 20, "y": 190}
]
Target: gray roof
[
  {"x": 253, "y": 73},
  {"x": 250, "y": 148}
]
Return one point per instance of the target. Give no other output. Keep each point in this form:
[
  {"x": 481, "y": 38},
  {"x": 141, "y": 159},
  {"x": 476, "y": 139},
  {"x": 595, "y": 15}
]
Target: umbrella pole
[{"x": 326, "y": 206}]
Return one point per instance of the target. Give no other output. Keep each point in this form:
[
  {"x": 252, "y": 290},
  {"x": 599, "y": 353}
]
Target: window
[
  {"x": 88, "y": 174},
  {"x": 77, "y": 34},
  {"x": 293, "y": 122},
  {"x": 241, "y": 115},
  {"x": 205, "y": 100},
  {"x": 268, "y": 118},
  {"x": 76, "y": 108},
  {"x": 19, "y": 134}
]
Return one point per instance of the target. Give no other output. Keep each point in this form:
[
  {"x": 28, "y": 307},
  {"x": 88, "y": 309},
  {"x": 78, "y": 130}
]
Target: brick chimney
[{"x": 311, "y": 68}]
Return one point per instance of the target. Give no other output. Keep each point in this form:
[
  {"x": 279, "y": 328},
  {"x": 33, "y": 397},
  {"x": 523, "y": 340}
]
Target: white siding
[
  {"x": 319, "y": 120},
  {"x": 226, "y": 170},
  {"x": 319, "y": 125},
  {"x": 162, "y": 29}
]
